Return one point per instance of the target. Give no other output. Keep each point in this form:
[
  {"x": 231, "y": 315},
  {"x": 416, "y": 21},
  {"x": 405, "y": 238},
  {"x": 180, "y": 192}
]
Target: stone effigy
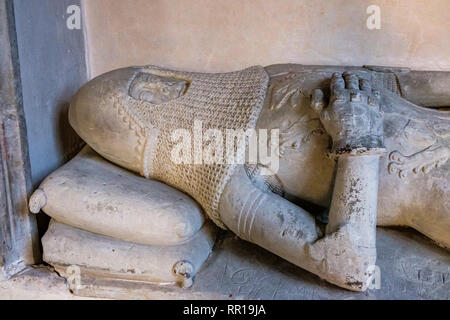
[{"x": 341, "y": 138}]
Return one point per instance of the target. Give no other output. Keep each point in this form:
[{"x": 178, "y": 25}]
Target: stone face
[
  {"x": 92, "y": 194},
  {"x": 107, "y": 257}
]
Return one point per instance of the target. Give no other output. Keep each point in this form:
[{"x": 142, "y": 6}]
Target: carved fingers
[
  {"x": 318, "y": 100},
  {"x": 365, "y": 85},
  {"x": 351, "y": 81},
  {"x": 352, "y": 117},
  {"x": 348, "y": 87}
]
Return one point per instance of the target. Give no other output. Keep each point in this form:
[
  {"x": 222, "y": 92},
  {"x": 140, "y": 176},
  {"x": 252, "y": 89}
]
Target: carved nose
[{"x": 99, "y": 113}]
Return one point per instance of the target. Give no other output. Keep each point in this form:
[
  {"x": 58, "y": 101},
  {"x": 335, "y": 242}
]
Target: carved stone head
[{"x": 156, "y": 89}]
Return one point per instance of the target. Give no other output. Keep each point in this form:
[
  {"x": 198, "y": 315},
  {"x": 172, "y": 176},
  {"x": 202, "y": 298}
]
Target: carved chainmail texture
[{"x": 221, "y": 101}]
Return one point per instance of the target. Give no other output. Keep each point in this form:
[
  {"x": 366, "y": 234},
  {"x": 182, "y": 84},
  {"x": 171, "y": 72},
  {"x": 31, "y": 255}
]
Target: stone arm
[
  {"x": 423, "y": 88},
  {"x": 346, "y": 254}
]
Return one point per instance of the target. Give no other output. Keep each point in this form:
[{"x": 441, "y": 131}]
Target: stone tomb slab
[{"x": 411, "y": 267}]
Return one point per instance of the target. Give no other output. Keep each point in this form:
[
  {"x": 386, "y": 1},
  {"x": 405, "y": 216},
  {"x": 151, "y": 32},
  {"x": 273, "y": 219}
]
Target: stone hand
[{"x": 352, "y": 117}]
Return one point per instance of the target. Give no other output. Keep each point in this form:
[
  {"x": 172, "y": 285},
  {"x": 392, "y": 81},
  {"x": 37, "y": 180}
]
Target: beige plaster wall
[{"x": 225, "y": 35}]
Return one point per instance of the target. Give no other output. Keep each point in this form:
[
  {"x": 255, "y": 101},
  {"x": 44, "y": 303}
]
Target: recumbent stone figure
[{"x": 353, "y": 141}]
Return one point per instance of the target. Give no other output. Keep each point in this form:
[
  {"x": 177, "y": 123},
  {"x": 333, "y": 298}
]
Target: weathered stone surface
[
  {"x": 19, "y": 245},
  {"x": 412, "y": 267},
  {"x": 107, "y": 257},
  {"x": 95, "y": 195},
  {"x": 37, "y": 283}
]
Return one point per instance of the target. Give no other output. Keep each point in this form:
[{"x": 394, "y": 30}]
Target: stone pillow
[
  {"x": 95, "y": 195},
  {"x": 100, "y": 256}
]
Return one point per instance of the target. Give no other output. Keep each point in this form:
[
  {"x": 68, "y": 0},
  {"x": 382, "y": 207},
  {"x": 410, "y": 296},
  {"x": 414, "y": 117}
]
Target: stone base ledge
[{"x": 411, "y": 267}]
